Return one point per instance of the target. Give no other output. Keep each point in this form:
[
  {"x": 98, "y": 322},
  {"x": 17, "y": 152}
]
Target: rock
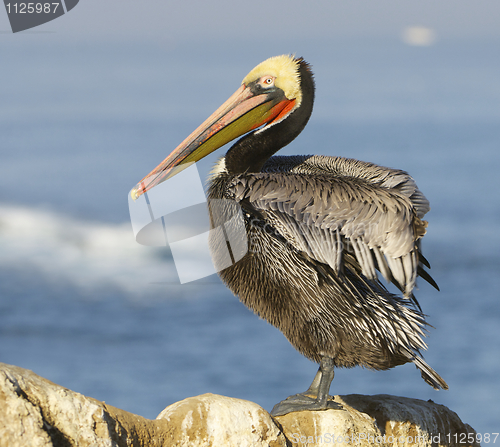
[
  {"x": 378, "y": 420},
  {"x": 210, "y": 419},
  {"x": 36, "y": 412}
]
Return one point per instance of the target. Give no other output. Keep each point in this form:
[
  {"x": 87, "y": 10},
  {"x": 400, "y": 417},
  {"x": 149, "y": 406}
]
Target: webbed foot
[
  {"x": 316, "y": 397},
  {"x": 304, "y": 402}
]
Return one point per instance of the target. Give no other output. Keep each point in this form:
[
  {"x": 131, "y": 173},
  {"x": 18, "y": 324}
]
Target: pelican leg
[{"x": 315, "y": 398}]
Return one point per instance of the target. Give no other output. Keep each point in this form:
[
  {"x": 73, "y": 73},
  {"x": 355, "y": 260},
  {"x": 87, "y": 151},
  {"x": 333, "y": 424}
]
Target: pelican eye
[{"x": 267, "y": 81}]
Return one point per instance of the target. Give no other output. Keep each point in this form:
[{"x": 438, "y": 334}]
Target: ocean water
[{"x": 85, "y": 306}]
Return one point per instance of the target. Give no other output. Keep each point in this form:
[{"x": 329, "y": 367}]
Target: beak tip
[{"x": 134, "y": 193}]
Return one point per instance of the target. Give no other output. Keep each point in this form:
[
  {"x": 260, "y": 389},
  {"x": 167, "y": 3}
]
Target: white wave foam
[{"x": 89, "y": 255}]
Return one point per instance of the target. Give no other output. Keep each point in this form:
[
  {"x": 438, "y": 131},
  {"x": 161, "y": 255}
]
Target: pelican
[{"x": 321, "y": 229}]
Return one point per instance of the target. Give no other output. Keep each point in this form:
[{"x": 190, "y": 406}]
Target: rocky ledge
[{"x": 36, "y": 412}]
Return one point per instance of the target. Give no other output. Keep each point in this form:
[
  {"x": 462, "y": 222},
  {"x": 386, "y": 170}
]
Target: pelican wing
[{"x": 331, "y": 207}]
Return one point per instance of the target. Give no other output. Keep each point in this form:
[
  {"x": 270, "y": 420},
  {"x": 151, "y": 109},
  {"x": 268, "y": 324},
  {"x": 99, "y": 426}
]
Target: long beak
[{"x": 241, "y": 113}]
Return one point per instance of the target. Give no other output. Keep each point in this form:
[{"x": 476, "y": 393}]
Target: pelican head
[{"x": 267, "y": 96}]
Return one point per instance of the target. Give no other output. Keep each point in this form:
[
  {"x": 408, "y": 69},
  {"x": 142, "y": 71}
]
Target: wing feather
[{"x": 321, "y": 205}]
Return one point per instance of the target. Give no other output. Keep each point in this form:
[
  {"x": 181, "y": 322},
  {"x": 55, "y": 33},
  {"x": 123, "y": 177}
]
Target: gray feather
[{"x": 376, "y": 209}]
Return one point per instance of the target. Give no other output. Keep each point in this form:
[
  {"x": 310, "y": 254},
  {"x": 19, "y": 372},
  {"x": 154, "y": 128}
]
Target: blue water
[{"x": 85, "y": 306}]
